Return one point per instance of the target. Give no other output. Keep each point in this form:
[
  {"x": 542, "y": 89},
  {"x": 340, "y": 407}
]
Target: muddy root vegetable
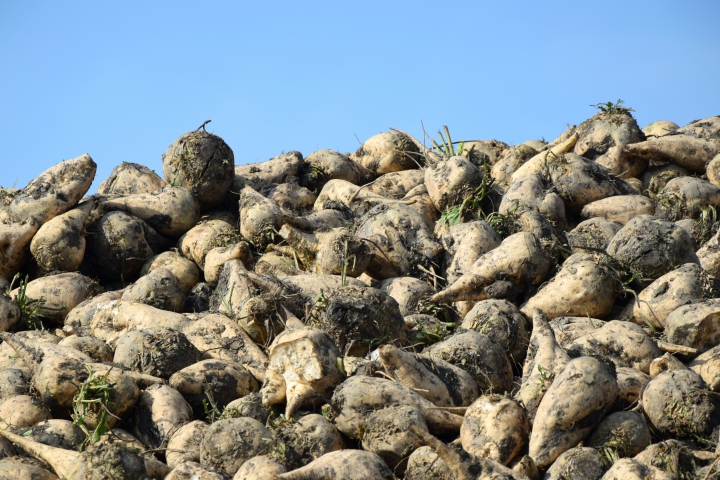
[
  {"x": 358, "y": 319},
  {"x": 55, "y": 191},
  {"x": 573, "y": 405},
  {"x": 544, "y": 362},
  {"x": 465, "y": 466},
  {"x": 203, "y": 237},
  {"x": 229, "y": 443},
  {"x": 683, "y": 150},
  {"x": 387, "y": 152},
  {"x": 306, "y": 359},
  {"x": 212, "y": 380},
  {"x": 171, "y": 211},
  {"x": 347, "y": 464},
  {"x": 520, "y": 259},
  {"x": 23, "y": 411},
  {"x": 260, "y": 217},
  {"x": 677, "y": 403},
  {"x": 201, "y": 162},
  {"x": 233, "y": 289},
  {"x": 217, "y": 257},
  {"x": 60, "y": 243},
  {"x": 192, "y": 470},
  {"x": 533, "y": 192},
  {"x": 324, "y": 165},
  {"x": 410, "y": 293},
  {"x": 685, "y": 285},
  {"x": 621, "y": 208},
  {"x": 9, "y": 313},
  {"x": 480, "y": 356},
  {"x": 495, "y": 427},
  {"x": 290, "y": 197},
  {"x": 696, "y": 325},
  {"x": 450, "y": 180},
  {"x": 404, "y": 368},
  {"x": 60, "y": 293},
  {"x": 582, "y": 463},
  {"x": 464, "y": 243},
  {"x": 592, "y": 234},
  {"x": 158, "y": 413},
  {"x": 159, "y": 288},
  {"x": 584, "y": 285},
  {"x": 625, "y": 432},
  {"x": 461, "y": 385},
  {"x": 686, "y": 197},
  {"x": 542, "y": 158},
  {"x": 390, "y": 433},
  {"x": 503, "y": 322},
  {"x": 57, "y": 433},
  {"x": 13, "y": 382},
  {"x": 358, "y": 396},
  {"x": 622, "y": 343},
  {"x": 651, "y": 247},
  {"x": 259, "y": 468},
  {"x": 424, "y": 464},
  {"x": 18, "y": 468},
  {"x": 129, "y": 178},
  {"x": 335, "y": 252},
  {"x": 275, "y": 170},
  {"x": 184, "y": 445},
  {"x": 160, "y": 351},
  {"x": 631, "y": 469},
  {"x": 109, "y": 460},
  {"x": 218, "y": 337},
  {"x": 119, "y": 244},
  {"x": 186, "y": 271},
  {"x": 15, "y": 238},
  {"x": 306, "y": 439},
  {"x": 327, "y": 219},
  {"x": 508, "y": 163},
  {"x": 602, "y": 138},
  {"x": 400, "y": 240}
]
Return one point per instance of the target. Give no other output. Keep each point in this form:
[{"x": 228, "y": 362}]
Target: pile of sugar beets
[{"x": 459, "y": 310}]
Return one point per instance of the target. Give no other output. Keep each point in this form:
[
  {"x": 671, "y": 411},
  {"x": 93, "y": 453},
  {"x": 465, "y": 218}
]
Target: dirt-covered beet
[
  {"x": 678, "y": 403},
  {"x": 650, "y": 247},
  {"x": 359, "y": 319},
  {"x": 203, "y": 163},
  {"x": 128, "y": 178},
  {"x": 119, "y": 244},
  {"x": 479, "y": 355},
  {"x": 157, "y": 351},
  {"x": 229, "y": 443}
]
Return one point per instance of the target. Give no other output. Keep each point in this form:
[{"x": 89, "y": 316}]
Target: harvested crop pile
[{"x": 468, "y": 310}]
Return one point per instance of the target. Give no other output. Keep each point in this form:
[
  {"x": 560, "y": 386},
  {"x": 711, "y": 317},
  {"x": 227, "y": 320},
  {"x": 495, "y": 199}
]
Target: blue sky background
[{"x": 122, "y": 80}]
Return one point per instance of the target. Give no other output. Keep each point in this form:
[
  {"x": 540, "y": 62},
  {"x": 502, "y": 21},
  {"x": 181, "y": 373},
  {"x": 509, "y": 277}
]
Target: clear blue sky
[{"x": 122, "y": 80}]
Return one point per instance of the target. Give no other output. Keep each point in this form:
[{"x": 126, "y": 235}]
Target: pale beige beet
[
  {"x": 495, "y": 427},
  {"x": 584, "y": 285},
  {"x": 519, "y": 258},
  {"x": 571, "y": 408},
  {"x": 171, "y": 211},
  {"x": 53, "y": 192},
  {"x": 128, "y": 178}
]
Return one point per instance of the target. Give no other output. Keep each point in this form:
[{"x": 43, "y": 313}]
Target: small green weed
[
  {"x": 32, "y": 310},
  {"x": 93, "y": 397},
  {"x": 611, "y": 108},
  {"x": 212, "y": 412},
  {"x": 473, "y": 203}
]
